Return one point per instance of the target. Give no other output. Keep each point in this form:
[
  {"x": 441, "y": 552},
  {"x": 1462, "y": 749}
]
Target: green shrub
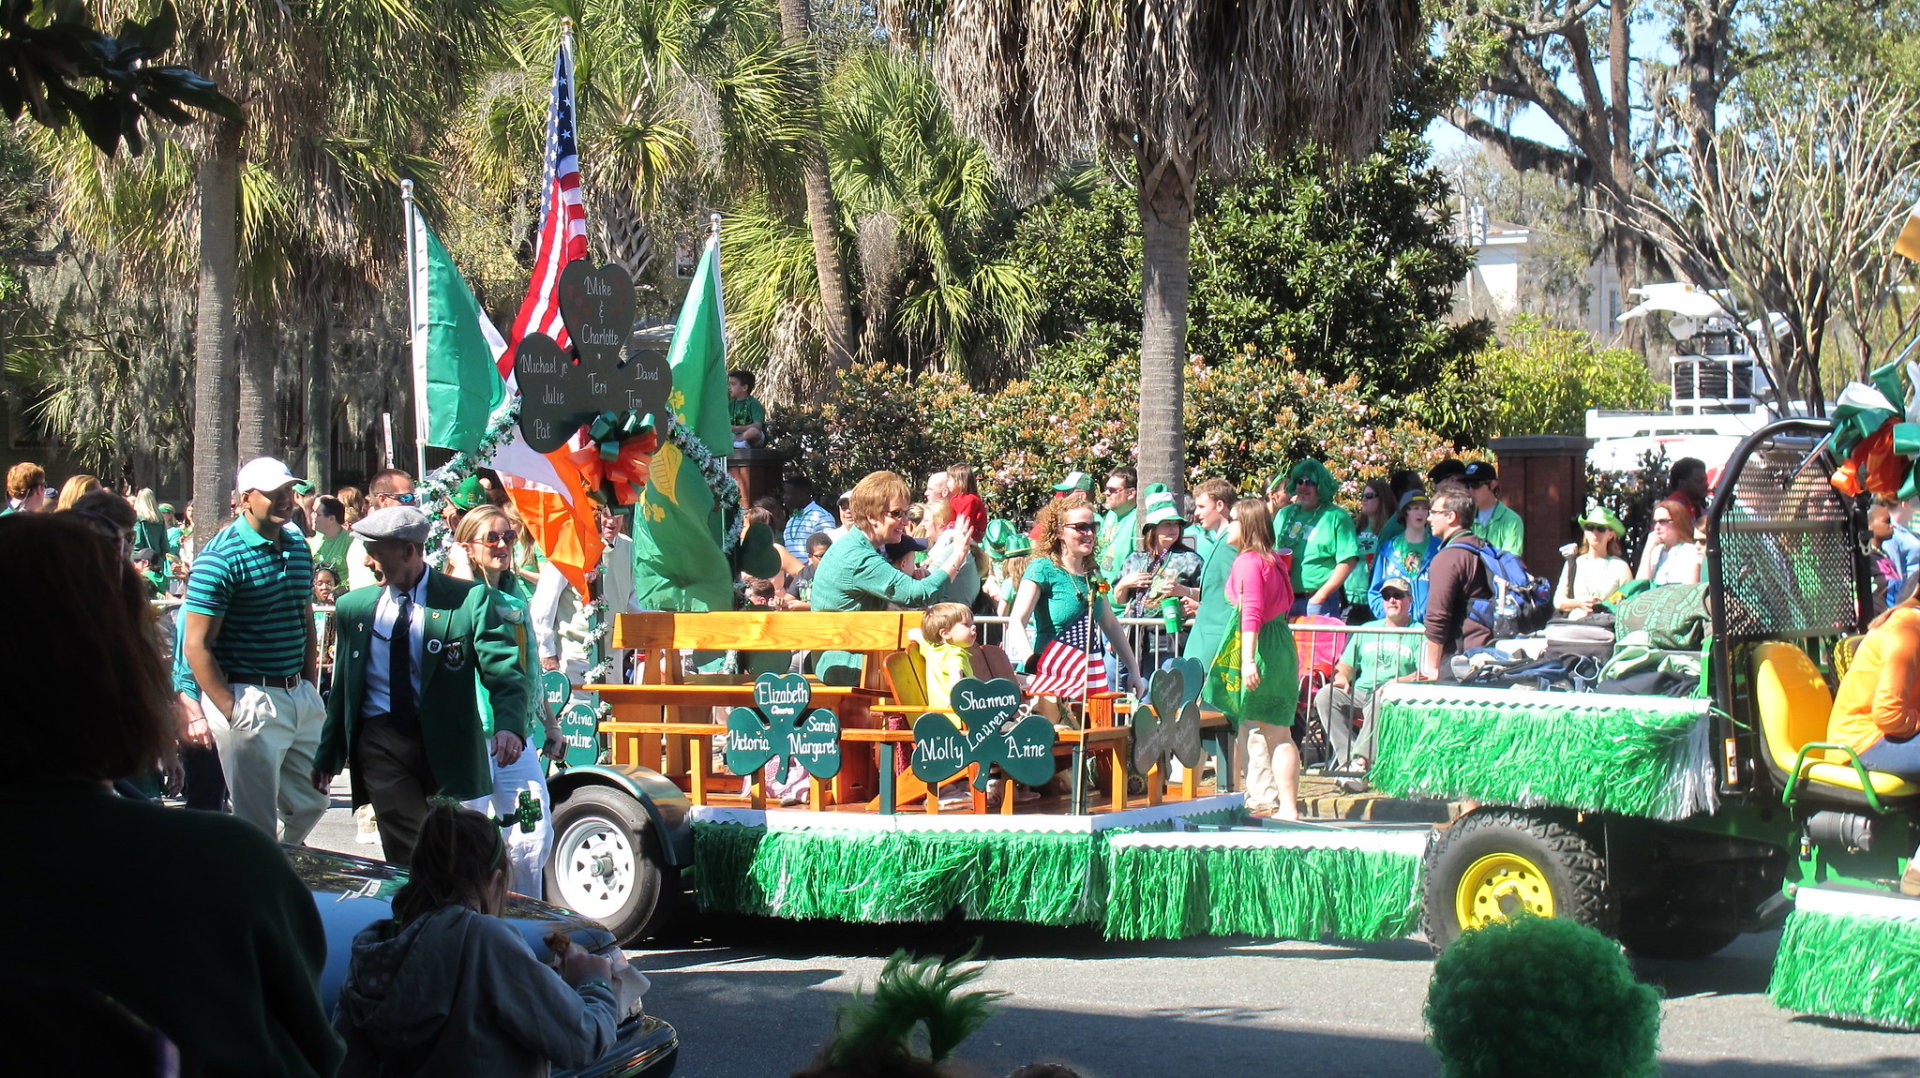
[
  {"x": 1247, "y": 416},
  {"x": 1541, "y": 380}
]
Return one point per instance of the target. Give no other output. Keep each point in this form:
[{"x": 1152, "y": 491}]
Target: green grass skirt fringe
[
  {"x": 1587, "y": 751},
  {"x": 1286, "y": 892},
  {"x": 1861, "y": 968},
  {"x": 874, "y": 876}
]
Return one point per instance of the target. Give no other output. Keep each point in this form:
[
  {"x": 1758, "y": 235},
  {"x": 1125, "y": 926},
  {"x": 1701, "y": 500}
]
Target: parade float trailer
[{"x": 1673, "y": 823}]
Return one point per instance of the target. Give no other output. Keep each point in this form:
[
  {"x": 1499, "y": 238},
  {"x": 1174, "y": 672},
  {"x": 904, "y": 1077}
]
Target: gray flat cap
[{"x": 402, "y": 522}]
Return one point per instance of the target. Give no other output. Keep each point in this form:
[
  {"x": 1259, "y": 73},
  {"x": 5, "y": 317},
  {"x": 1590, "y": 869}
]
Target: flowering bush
[{"x": 1246, "y": 418}]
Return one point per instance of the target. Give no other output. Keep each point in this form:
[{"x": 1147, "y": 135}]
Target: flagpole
[{"x": 414, "y": 343}]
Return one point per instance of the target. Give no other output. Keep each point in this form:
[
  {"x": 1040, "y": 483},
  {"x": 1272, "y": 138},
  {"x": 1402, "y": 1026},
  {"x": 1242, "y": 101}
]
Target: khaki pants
[
  {"x": 393, "y": 769},
  {"x": 266, "y": 750},
  {"x": 1273, "y": 766}
]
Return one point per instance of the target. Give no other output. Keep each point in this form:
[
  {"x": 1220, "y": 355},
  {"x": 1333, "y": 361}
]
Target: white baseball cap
[{"x": 264, "y": 474}]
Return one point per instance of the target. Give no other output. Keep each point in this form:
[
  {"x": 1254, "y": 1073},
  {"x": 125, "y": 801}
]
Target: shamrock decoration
[
  {"x": 564, "y": 389},
  {"x": 1169, "y": 726},
  {"x": 996, "y": 733},
  {"x": 789, "y": 731}
]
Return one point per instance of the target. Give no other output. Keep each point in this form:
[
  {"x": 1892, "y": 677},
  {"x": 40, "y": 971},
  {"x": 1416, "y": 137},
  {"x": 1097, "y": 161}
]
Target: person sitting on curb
[{"x": 1370, "y": 662}]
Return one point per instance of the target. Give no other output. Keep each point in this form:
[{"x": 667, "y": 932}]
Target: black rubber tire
[
  {"x": 604, "y": 827},
  {"x": 1658, "y": 932},
  {"x": 1574, "y": 871}
]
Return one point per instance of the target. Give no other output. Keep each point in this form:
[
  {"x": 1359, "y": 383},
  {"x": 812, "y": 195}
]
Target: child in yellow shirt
[{"x": 948, "y": 634}]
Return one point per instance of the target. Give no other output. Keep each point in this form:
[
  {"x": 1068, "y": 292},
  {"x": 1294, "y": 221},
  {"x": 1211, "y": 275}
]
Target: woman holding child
[{"x": 855, "y": 575}]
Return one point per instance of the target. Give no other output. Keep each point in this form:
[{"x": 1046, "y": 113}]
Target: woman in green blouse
[
  {"x": 854, "y": 575},
  {"x": 1061, "y": 581}
]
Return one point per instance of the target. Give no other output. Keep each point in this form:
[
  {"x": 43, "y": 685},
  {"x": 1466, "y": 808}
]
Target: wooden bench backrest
[{"x": 767, "y": 630}]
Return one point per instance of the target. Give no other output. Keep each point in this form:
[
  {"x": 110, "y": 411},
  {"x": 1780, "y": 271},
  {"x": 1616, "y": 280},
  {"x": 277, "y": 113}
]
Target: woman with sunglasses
[
  {"x": 1671, "y": 557},
  {"x": 1059, "y": 587},
  {"x": 488, "y": 537},
  {"x": 1599, "y": 570},
  {"x": 855, "y": 575},
  {"x": 1370, "y": 530}
]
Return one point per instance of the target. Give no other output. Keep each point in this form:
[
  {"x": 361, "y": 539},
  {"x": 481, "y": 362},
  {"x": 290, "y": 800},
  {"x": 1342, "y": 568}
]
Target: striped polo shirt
[{"x": 260, "y": 588}]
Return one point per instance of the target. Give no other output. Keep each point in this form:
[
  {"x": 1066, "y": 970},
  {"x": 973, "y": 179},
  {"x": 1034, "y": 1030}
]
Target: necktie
[{"x": 400, "y": 661}]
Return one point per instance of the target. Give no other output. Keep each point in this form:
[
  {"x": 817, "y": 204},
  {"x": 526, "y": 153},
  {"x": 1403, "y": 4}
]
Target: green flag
[
  {"x": 677, "y": 562},
  {"x": 698, "y": 357},
  {"x": 455, "y": 382}
]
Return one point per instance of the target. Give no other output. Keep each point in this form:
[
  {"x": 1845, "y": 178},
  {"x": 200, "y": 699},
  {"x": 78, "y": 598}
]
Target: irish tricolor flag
[{"x": 454, "y": 345}]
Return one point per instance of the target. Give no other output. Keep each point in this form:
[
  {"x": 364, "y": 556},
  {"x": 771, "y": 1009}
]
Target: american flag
[
  {"x": 563, "y": 222},
  {"x": 1065, "y": 668}
]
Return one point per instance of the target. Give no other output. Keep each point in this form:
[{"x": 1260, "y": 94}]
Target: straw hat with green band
[
  {"x": 1601, "y": 516},
  {"x": 1080, "y": 481}
]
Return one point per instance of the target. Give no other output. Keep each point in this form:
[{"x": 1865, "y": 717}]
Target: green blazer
[{"x": 467, "y": 645}]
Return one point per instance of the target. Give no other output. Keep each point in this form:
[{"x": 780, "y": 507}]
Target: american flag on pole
[
  {"x": 563, "y": 220},
  {"x": 547, "y": 488},
  {"x": 1066, "y": 668}
]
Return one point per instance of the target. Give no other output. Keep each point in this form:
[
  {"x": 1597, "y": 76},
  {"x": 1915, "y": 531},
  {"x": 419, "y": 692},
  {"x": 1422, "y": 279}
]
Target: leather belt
[{"x": 267, "y": 680}]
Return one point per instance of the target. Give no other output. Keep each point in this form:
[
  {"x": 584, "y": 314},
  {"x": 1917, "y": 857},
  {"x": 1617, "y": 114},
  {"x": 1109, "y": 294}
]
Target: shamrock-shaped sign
[
  {"x": 580, "y": 727},
  {"x": 555, "y": 687},
  {"x": 1169, "y": 726},
  {"x": 559, "y": 392},
  {"x": 788, "y": 731},
  {"x": 995, "y": 734}
]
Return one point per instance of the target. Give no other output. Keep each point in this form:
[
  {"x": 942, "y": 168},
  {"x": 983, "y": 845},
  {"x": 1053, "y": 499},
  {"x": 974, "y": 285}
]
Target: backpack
[{"x": 1522, "y": 603}]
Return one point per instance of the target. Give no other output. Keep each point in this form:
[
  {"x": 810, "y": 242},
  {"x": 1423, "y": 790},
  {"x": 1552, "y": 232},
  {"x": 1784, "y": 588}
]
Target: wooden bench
[{"x": 666, "y": 722}]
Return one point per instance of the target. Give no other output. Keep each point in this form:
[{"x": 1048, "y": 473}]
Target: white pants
[
  {"x": 527, "y": 851},
  {"x": 1264, "y": 742},
  {"x": 266, "y": 749}
]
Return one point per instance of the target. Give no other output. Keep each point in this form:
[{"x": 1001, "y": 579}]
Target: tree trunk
[
  {"x": 258, "y": 402},
  {"x": 836, "y": 304},
  {"x": 213, "y": 403},
  {"x": 1166, "y": 227},
  {"x": 319, "y": 406}
]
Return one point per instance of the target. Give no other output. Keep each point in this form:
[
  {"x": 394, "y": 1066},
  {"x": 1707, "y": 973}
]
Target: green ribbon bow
[{"x": 610, "y": 428}]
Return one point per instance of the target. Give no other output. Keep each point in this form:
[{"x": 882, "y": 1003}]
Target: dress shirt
[{"x": 377, "y": 700}]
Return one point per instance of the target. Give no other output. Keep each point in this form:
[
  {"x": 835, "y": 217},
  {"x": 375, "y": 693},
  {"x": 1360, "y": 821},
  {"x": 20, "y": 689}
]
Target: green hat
[
  {"x": 1159, "y": 508},
  {"x": 999, "y": 533},
  {"x": 302, "y": 487},
  {"x": 469, "y": 494},
  {"x": 1278, "y": 481},
  {"x": 1075, "y": 481},
  {"x": 1019, "y": 544},
  {"x": 166, "y": 507},
  {"x": 1600, "y": 516}
]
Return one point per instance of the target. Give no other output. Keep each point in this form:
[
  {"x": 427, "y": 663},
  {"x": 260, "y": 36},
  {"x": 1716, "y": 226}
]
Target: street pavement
[{"x": 754, "y": 997}]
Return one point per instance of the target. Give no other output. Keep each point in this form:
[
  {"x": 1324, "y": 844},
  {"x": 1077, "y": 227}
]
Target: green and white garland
[{"x": 436, "y": 487}]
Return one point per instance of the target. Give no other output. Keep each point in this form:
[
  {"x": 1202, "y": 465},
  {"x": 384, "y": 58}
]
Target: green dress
[{"x": 1277, "y": 699}]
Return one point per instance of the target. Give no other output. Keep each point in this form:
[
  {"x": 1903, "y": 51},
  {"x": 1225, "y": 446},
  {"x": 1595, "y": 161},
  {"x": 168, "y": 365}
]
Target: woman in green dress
[{"x": 1262, "y": 659}]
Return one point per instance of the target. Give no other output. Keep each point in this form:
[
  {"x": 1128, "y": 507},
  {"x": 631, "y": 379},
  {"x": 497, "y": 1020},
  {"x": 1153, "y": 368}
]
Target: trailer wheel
[
  {"x": 607, "y": 864},
  {"x": 1493, "y": 864}
]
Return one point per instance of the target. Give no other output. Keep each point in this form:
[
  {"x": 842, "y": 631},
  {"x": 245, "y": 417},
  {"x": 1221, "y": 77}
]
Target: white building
[{"x": 1496, "y": 286}]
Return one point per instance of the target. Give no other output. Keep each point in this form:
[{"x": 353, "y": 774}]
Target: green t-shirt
[
  {"x": 746, "y": 412},
  {"x": 1319, "y": 538},
  {"x": 1064, "y": 599},
  {"x": 1378, "y": 658},
  {"x": 332, "y": 550}
]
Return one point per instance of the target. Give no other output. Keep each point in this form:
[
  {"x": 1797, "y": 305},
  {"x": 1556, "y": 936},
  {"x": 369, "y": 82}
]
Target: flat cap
[{"x": 402, "y": 522}]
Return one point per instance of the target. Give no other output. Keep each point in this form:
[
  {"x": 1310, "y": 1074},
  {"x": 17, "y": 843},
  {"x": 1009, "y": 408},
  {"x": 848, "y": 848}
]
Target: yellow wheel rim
[{"x": 1497, "y": 887}]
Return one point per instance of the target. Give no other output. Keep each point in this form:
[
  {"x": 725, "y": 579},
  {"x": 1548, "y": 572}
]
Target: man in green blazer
[{"x": 405, "y": 710}]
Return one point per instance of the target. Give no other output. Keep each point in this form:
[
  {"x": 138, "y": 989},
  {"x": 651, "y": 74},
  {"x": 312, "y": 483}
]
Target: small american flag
[
  {"x": 563, "y": 221},
  {"x": 1065, "y": 668}
]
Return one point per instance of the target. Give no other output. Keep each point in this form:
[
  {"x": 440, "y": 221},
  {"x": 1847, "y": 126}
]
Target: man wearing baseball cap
[
  {"x": 1370, "y": 661},
  {"x": 248, "y": 640},
  {"x": 413, "y": 654},
  {"x": 1492, "y": 519}
]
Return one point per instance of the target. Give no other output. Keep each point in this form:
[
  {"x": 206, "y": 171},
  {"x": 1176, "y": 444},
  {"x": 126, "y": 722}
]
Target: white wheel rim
[{"x": 594, "y": 868}]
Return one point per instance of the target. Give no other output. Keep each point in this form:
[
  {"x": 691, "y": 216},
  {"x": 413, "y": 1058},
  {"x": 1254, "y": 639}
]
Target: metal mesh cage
[{"x": 1788, "y": 551}]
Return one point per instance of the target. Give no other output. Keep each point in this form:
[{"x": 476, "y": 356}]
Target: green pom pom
[{"x": 1540, "y": 996}]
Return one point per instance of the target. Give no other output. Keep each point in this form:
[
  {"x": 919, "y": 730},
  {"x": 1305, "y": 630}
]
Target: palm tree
[
  {"x": 823, "y": 216},
  {"x": 1183, "y": 87}
]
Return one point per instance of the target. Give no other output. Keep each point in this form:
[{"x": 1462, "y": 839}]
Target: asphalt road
[{"x": 757, "y": 997}]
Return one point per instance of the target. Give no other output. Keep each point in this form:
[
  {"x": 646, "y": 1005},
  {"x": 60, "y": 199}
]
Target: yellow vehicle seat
[{"x": 1794, "y": 703}]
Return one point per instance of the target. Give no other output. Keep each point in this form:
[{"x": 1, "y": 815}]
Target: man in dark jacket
[{"x": 1456, "y": 578}]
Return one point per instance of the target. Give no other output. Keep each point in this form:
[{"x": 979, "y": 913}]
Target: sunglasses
[
  {"x": 1081, "y": 527},
  {"x": 897, "y": 514},
  {"x": 1391, "y": 595},
  {"x": 1601, "y": 527},
  {"x": 1118, "y": 490},
  {"x": 1663, "y": 520},
  {"x": 404, "y": 499},
  {"x": 1369, "y": 496},
  {"x": 499, "y": 538}
]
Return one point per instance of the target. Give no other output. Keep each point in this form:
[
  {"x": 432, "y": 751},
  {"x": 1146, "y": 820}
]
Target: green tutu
[{"x": 1279, "y": 663}]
